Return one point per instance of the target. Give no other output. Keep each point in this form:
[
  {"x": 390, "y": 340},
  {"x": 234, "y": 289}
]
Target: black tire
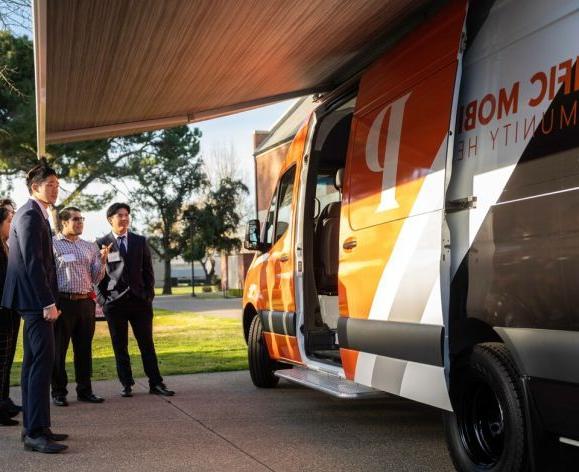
[
  {"x": 487, "y": 430},
  {"x": 261, "y": 367}
]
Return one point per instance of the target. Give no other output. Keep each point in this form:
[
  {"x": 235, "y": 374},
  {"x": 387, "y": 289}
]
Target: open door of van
[{"x": 394, "y": 248}]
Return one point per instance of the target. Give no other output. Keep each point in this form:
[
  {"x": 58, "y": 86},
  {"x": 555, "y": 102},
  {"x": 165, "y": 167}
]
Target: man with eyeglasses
[{"x": 79, "y": 266}]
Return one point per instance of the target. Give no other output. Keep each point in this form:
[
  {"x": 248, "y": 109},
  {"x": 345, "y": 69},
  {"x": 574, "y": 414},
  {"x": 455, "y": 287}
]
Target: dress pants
[
  {"x": 139, "y": 313},
  {"x": 76, "y": 322},
  {"x": 36, "y": 372},
  {"x": 9, "y": 326}
]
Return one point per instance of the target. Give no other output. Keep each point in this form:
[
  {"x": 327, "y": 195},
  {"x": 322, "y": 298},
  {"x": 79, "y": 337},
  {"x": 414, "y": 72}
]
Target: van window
[
  {"x": 270, "y": 220},
  {"x": 284, "y": 208},
  {"x": 326, "y": 191}
]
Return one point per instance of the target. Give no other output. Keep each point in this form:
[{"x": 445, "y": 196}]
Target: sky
[{"x": 232, "y": 132}]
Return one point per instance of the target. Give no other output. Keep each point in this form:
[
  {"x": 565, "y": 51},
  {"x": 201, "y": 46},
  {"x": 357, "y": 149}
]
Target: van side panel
[
  {"x": 515, "y": 259},
  {"x": 270, "y": 280},
  {"x": 392, "y": 220}
]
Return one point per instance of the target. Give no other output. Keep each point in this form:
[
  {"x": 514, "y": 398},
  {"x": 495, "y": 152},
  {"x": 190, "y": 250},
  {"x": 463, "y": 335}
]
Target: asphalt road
[
  {"x": 220, "y": 422},
  {"x": 226, "y": 307}
]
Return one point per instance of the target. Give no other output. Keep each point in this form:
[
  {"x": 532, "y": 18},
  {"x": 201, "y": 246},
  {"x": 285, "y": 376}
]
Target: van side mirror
[{"x": 252, "y": 241}]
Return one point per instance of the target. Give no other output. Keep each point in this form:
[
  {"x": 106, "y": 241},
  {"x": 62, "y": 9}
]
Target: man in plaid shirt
[{"x": 79, "y": 265}]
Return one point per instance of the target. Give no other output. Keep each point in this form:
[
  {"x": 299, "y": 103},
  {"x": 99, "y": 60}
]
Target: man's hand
[
  {"x": 105, "y": 252},
  {"x": 51, "y": 313}
]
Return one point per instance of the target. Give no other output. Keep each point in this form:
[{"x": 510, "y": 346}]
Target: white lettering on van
[{"x": 390, "y": 166}]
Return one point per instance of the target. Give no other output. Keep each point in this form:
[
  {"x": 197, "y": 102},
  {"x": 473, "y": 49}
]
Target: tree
[
  {"x": 167, "y": 177},
  {"x": 15, "y": 17},
  {"x": 222, "y": 162},
  {"x": 17, "y": 108},
  {"x": 210, "y": 226}
]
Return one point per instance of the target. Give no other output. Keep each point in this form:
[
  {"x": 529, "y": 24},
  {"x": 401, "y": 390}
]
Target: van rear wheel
[
  {"x": 261, "y": 367},
  {"x": 487, "y": 430}
]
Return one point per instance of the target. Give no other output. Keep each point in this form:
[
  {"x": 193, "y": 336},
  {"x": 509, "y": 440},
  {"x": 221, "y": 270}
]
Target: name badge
[
  {"x": 114, "y": 257},
  {"x": 69, "y": 257}
]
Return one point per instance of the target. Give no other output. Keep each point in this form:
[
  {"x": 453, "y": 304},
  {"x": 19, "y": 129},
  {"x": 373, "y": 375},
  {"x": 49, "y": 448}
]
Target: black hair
[
  {"x": 39, "y": 173},
  {"x": 115, "y": 207},
  {"x": 66, "y": 213}
]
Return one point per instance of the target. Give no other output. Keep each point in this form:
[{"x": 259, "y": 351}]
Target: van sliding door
[{"x": 394, "y": 266}]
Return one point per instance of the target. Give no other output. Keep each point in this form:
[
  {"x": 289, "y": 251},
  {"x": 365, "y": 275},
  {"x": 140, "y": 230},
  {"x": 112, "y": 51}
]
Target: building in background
[{"x": 270, "y": 149}]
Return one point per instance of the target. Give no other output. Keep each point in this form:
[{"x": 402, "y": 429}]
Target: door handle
[
  {"x": 350, "y": 243},
  {"x": 284, "y": 258}
]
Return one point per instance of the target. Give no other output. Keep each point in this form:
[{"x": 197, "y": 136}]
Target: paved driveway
[
  {"x": 220, "y": 422},
  {"x": 226, "y": 307}
]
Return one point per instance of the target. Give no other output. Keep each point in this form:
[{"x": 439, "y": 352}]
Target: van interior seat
[
  {"x": 327, "y": 239},
  {"x": 327, "y": 235}
]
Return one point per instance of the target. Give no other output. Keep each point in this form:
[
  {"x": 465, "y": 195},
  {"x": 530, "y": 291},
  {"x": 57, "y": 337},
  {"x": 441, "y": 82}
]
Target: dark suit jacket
[
  {"x": 3, "y": 267},
  {"x": 31, "y": 281},
  {"x": 140, "y": 275}
]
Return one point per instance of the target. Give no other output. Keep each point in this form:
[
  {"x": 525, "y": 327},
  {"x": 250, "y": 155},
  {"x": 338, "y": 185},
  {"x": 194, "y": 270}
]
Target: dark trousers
[
  {"x": 76, "y": 323},
  {"x": 9, "y": 326},
  {"x": 36, "y": 372},
  {"x": 139, "y": 313}
]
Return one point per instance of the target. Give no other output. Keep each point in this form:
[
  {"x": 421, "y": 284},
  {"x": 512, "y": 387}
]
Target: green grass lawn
[{"x": 186, "y": 343}]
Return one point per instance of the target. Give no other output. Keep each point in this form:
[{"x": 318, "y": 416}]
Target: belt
[{"x": 74, "y": 296}]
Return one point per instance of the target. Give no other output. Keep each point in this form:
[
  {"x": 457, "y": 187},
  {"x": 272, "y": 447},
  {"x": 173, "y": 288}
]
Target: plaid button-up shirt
[{"x": 78, "y": 264}]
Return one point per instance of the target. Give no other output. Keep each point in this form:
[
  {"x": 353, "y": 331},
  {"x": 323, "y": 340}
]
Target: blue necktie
[{"x": 122, "y": 247}]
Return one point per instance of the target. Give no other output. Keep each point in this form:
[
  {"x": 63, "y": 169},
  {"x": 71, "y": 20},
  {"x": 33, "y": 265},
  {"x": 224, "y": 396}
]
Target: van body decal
[
  {"x": 393, "y": 208},
  {"x": 515, "y": 257},
  {"x": 389, "y": 166},
  {"x": 406, "y": 341},
  {"x": 279, "y": 322}
]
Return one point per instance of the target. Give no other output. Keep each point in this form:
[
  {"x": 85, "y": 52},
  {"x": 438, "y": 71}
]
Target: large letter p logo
[{"x": 390, "y": 167}]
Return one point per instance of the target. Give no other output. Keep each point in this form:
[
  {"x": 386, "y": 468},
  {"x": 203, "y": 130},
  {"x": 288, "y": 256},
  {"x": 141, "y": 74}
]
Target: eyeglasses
[{"x": 78, "y": 218}]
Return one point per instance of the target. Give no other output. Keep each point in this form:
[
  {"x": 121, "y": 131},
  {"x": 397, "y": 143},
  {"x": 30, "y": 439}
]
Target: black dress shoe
[
  {"x": 127, "y": 392},
  {"x": 43, "y": 444},
  {"x": 49, "y": 434},
  {"x": 161, "y": 389},
  {"x": 60, "y": 400},
  {"x": 13, "y": 409},
  {"x": 91, "y": 398},
  {"x": 55, "y": 436},
  {"x": 6, "y": 421}
]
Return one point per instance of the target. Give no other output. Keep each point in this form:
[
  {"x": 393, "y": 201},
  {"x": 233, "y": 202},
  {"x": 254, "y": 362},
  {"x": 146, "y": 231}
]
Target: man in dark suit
[
  {"x": 31, "y": 289},
  {"x": 126, "y": 294}
]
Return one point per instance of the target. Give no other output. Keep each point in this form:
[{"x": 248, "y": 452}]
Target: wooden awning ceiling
[{"x": 112, "y": 67}]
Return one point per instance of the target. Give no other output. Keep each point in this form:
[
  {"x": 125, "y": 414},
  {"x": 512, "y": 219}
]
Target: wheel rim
[{"x": 482, "y": 424}]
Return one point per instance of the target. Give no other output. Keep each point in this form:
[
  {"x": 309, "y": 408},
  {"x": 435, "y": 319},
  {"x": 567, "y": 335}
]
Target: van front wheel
[
  {"x": 261, "y": 367},
  {"x": 486, "y": 432}
]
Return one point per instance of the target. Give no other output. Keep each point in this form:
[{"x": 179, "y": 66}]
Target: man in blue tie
[
  {"x": 126, "y": 294},
  {"x": 31, "y": 289}
]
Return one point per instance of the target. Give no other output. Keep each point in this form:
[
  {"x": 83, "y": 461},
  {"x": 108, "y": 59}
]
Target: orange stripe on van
[
  {"x": 349, "y": 359},
  {"x": 282, "y": 347}
]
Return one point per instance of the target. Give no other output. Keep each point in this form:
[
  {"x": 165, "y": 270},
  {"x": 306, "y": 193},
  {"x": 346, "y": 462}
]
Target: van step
[{"x": 328, "y": 383}]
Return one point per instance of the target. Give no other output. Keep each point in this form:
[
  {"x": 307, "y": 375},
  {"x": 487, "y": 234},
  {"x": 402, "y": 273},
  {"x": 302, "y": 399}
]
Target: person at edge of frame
[
  {"x": 9, "y": 323},
  {"x": 79, "y": 266},
  {"x": 126, "y": 294},
  {"x": 31, "y": 289}
]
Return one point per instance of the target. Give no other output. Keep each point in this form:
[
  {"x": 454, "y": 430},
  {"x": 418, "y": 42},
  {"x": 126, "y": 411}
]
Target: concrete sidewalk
[
  {"x": 220, "y": 422},
  {"x": 225, "y": 307}
]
